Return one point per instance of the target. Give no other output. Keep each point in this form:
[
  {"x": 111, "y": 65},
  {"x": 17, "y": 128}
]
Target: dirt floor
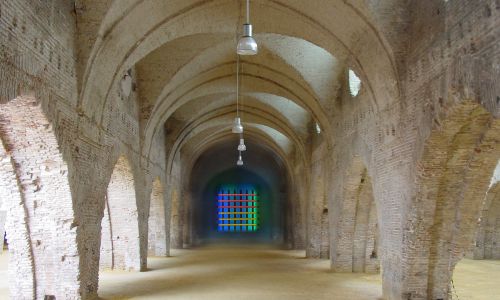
[
  {"x": 477, "y": 280},
  {"x": 259, "y": 273},
  {"x": 238, "y": 273}
]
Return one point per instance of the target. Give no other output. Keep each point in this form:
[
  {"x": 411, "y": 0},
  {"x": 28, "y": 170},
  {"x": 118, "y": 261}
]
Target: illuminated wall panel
[{"x": 237, "y": 208}]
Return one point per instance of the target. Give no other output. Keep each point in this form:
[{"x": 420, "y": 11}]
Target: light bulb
[{"x": 240, "y": 161}]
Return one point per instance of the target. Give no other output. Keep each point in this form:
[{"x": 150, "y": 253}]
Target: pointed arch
[
  {"x": 354, "y": 240},
  {"x": 454, "y": 175},
  {"x": 41, "y": 210},
  {"x": 120, "y": 247}
]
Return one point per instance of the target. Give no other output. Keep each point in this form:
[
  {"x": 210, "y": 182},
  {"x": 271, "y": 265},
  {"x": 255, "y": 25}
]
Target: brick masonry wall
[
  {"x": 299, "y": 193},
  {"x": 37, "y": 57},
  {"x": 157, "y": 245},
  {"x": 449, "y": 55},
  {"x": 354, "y": 234},
  {"x": 177, "y": 221},
  {"x": 123, "y": 220},
  {"x": 43, "y": 182},
  {"x": 20, "y": 248},
  {"x": 318, "y": 245}
]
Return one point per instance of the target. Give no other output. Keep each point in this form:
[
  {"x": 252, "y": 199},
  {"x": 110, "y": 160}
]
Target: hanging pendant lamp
[
  {"x": 241, "y": 146},
  {"x": 237, "y": 127},
  {"x": 240, "y": 161},
  {"x": 247, "y": 44}
]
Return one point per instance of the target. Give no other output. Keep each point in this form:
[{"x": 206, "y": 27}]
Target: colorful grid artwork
[{"x": 238, "y": 209}]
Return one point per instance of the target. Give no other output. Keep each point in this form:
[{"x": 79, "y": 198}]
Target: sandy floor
[
  {"x": 257, "y": 273},
  {"x": 477, "y": 279},
  {"x": 238, "y": 273}
]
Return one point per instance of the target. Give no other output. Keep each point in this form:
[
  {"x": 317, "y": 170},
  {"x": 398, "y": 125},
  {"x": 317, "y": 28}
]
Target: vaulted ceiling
[{"x": 184, "y": 62}]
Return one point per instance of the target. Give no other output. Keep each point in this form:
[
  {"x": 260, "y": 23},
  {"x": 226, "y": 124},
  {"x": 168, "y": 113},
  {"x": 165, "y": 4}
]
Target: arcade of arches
[{"x": 372, "y": 129}]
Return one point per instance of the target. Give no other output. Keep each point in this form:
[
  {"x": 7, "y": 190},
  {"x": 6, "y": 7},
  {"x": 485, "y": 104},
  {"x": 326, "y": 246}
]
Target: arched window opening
[
  {"x": 496, "y": 175},
  {"x": 354, "y": 83},
  {"x": 318, "y": 128}
]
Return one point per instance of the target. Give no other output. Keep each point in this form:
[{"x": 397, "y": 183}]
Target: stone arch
[
  {"x": 41, "y": 224},
  {"x": 112, "y": 48},
  {"x": 452, "y": 180},
  {"x": 120, "y": 247},
  {"x": 208, "y": 138},
  {"x": 354, "y": 238},
  {"x": 157, "y": 222}
]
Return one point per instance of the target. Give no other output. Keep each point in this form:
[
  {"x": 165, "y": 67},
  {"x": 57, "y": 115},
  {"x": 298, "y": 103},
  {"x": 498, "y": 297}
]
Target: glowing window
[
  {"x": 354, "y": 83},
  {"x": 318, "y": 128},
  {"x": 237, "y": 208}
]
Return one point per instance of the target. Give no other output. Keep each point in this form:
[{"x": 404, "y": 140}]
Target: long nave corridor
[{"x": 250, "y": 149}]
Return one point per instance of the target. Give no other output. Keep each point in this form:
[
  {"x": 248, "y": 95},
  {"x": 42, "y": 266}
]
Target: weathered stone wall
[
  {"x": 121, "y": 221},
  {"x": 177, "y": 206},
  {"x": 441, "y": 66},
  {"x": 42, "y": 177},
  {"x": 299, "y": 194},
  {"x": 38, "y": 57},
  {"x": 20, "y": 248},
  {"x": 318, "y": 245},
  {"x": 157, "y": 242},
  {"x": 354, "y": 231},
  {"x": 425, "y": 126},
  {"x": 444, "y": 66}
]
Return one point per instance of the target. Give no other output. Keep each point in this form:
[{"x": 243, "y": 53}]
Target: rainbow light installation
[{"x": 237, "y": 208}]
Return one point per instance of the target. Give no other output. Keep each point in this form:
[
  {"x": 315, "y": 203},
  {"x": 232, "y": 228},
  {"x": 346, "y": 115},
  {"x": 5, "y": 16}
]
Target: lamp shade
[
  {"x": 247, "y": 44},
  {"x": 237, "y": 127}
]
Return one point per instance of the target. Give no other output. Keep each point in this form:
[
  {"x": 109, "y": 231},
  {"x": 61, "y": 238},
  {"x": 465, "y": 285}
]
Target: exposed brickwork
[
  {"x": 318, "y": 243},
  {"x": 42, "y": 176},
  {"x": 120, "y": 222},
  {"x": 455, "y": 173},
  {"x": 425, "y": 126},
  {"x": 354, "y": 239},
  {"x": 157, "y": 243},
  {"x": 20, "y": 248}
]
